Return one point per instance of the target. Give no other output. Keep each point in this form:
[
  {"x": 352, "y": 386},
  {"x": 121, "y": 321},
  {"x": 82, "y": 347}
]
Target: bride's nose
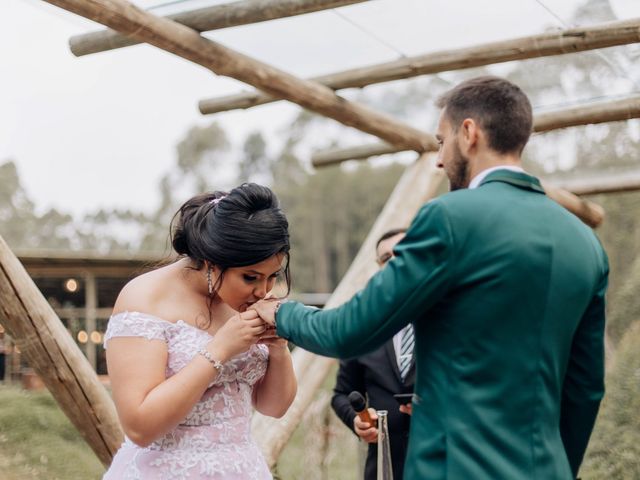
[{"x": 260, "y": 291}]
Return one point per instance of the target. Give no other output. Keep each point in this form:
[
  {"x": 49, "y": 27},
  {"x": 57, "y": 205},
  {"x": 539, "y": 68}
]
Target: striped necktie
[{"x": 406, "y": 350}]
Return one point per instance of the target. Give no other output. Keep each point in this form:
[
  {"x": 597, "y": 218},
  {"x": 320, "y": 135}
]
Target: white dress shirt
[{"x": 477, "y": 180}]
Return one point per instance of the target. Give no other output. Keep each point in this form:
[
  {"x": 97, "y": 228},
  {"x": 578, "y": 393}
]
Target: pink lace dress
[{"x": 214, "y": 440}]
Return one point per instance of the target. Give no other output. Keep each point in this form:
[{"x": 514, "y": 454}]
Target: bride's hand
[
  {"x": 266, "y": 308},
  {"x": 237, "y": 335}
]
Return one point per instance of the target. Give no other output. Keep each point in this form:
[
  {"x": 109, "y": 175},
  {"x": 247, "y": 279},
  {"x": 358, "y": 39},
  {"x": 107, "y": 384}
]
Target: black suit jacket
[{"x": 376, "y": 376}]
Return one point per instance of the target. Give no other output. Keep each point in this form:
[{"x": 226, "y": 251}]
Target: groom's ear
[{"x": 469, "y": 134}]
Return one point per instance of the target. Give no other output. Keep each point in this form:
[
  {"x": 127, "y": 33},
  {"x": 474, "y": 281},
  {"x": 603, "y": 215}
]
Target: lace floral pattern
[{"x": 214, "y": 440}]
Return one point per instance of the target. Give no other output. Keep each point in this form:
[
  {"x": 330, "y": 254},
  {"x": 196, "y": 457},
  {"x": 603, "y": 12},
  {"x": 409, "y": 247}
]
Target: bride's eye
[{"x": 249, "y": 278}]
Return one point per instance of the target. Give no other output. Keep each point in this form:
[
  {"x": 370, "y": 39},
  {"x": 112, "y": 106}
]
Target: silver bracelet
[{"x": 217, "y": 364}]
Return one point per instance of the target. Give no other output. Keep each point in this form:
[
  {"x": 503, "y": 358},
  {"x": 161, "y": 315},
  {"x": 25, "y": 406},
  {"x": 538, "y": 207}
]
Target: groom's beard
[{"x": 459, "y": 171}]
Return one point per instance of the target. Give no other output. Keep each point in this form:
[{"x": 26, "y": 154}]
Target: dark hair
[
  {"x": 500, "y": 108},
  {"x": 390, "y": 233},
  {"x": 235, "y": 229}
]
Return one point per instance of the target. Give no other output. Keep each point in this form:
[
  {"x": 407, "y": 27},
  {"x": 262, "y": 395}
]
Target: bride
[{"x": 187, "y": 360}]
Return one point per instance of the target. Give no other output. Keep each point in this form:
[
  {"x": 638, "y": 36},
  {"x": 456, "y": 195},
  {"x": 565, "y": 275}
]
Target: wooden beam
[
  {"x": 591, "y": 113},
  {"x": 420, "y": 182},
  {"x": 187, "y": 43},
  {"x": 553, "y": 43},
  {"x": 52, "y": 353},
  {"x": 627, "y": 181},
  {"x": 324, "y": 158},
  {"x": 589, "y": 212},
  {"x": 210, "y": 18}
]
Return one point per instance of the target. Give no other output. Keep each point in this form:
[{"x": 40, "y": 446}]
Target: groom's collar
[
  {"x": 477, "y": 180},
  {"x": 518, "y": 178}
]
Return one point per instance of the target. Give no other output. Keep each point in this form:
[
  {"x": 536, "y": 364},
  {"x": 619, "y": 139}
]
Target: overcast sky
[{"x": 100, "y": 130}]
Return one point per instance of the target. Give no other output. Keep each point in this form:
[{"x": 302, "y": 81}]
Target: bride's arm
[
  {"x": 148, "y": 404},
  {"x": 275, "y": 392}
]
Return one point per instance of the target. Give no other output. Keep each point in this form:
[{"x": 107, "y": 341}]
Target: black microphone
[{"x": 360, "y": 406}]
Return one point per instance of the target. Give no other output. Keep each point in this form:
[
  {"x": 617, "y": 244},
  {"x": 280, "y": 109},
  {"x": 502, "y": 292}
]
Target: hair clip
[{"x": 215, "y": 201}]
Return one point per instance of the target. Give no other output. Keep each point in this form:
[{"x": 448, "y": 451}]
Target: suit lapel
[{"x": 391, "y": 357}]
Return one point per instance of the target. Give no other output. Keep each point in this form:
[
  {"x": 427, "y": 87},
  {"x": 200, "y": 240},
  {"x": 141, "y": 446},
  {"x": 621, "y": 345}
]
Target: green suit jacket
[{"x": 506, "y": 292}]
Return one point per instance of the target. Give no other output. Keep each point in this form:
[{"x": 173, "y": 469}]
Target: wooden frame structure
[
  {"x": 573, "y": 40},
  {"x": 594, "y": 113},
  {"x": 420, "y": 181}
]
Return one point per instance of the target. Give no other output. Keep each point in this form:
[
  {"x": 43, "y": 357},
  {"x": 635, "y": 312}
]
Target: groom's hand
[{"x": 266, "y": 309}]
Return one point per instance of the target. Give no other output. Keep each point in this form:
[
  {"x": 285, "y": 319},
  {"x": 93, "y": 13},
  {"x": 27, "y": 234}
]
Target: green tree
[
  {"x": 330, "y": 214},
  {"x": 199, "y": 168},
  {"x": 255, "y": 164},
  {"x": 20, "y": 225}
]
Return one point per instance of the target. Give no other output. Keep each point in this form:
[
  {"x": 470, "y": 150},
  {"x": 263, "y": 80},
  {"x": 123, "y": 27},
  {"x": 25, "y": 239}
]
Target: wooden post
[
  {"x": 591, "y": 113},
  {"x": 90, "y": 305},
  {"x": 420, "y": 182},
  {"x": 577, "y": 39},
  {"x": 189, "y": 44},
  {"x": 210, "y": 18},
  {"x": 55, "y": 357}
]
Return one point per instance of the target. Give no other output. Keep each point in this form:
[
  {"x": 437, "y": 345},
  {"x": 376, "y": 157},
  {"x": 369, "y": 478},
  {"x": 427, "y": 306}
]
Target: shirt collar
[{"x": 477, "y": 180}]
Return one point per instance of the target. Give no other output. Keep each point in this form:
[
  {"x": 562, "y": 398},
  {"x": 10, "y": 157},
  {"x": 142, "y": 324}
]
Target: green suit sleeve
[
  {"x": 414, "y": 280},
  {"x": 583, "y": 386}
]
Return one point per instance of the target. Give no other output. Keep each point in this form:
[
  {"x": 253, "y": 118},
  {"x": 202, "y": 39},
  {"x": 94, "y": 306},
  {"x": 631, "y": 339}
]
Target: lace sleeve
[{"x": 135, "y": 324}]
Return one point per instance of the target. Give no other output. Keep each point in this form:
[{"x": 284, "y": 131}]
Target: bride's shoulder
[{"x": 142, "y": 292}]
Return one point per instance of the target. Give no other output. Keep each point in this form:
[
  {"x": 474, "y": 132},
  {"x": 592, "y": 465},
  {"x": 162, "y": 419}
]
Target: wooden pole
[
  {"x": 324, "y": 158},
  {"x": 187, "y": 43},
  {"x": 52, "y": 353},
  {"x": 574, "y": 40},
  {"x": 589, "y": 212},
  {"x": 90, "y": 306},
  {"x": 592, "y": 113},
  {"x": 628, "y": 181},
  {"x": 210, "y": 18},
  {"x": 420, "y": 182}
]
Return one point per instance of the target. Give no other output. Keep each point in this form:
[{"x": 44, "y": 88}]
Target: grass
[
  {"x": 614, "y": 450},
  {"x": 37, "y": 441}
]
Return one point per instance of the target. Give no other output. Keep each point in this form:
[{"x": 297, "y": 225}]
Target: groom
[{"x": 506, "y": 292}]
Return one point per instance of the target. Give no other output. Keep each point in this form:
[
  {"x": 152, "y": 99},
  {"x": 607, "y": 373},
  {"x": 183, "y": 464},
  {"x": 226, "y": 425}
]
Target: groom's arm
[
  {"x": 410, "y": 283},
  {"x": 584, "y": 381}
]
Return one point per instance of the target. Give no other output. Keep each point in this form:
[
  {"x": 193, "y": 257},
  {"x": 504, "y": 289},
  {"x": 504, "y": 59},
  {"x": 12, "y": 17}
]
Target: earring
[{"x": 209, "y": 283}]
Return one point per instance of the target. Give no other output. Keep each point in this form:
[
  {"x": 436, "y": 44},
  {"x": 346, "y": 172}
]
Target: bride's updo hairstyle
[{"x": 235, "y": 229}]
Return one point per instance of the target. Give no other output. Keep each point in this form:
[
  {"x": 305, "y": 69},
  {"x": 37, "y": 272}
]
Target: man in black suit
[{"x": 378, "y": 376}]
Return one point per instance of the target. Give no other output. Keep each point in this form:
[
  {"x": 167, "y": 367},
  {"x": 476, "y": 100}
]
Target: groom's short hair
[{"x": 498, "y": 106}]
